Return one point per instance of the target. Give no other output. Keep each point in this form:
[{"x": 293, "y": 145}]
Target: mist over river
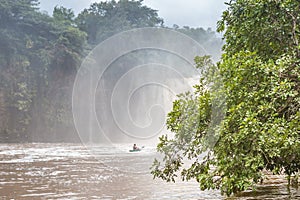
[{"x": 72, "y": 171}]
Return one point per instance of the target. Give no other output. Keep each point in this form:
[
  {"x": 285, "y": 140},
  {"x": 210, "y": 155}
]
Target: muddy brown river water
[{"x": 71, "y": 171}]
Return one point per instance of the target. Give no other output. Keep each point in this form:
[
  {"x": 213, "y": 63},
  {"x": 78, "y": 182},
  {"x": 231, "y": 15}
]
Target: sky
[{"x": 193, "y": 13}]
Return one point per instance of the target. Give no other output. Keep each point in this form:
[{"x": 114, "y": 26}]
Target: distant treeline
[{"x": 40, "y": 55}]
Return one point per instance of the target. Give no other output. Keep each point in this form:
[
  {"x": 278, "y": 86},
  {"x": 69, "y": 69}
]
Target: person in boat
[{"x": 135, "y": 147}]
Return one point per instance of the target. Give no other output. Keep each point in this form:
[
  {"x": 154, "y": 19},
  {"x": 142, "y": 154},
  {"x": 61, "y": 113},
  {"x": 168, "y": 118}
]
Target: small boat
[{"x": 134, "y": 150}]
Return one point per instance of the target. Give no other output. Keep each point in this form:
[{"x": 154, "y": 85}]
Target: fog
[
  {"x": 126, "y": 90},
  {"x": 93, "y": 78}
]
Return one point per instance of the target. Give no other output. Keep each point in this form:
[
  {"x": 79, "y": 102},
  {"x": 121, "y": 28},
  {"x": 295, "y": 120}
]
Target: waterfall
[{"x": 126, "y": 86}]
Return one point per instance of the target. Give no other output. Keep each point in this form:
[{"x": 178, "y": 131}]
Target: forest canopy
[{"x": 254, "y": 90}]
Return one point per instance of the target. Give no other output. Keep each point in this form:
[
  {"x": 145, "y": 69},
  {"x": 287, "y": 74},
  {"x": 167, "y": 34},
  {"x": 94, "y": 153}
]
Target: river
[{"x": 73, "y": 171}]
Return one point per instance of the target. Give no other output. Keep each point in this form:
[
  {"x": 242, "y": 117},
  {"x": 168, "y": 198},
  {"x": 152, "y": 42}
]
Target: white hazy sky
[{"x": 193, "y": 13}]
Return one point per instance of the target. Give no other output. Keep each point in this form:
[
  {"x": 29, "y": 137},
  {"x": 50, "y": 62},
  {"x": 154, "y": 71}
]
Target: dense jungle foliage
[{"x": 244, "y": 117}]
